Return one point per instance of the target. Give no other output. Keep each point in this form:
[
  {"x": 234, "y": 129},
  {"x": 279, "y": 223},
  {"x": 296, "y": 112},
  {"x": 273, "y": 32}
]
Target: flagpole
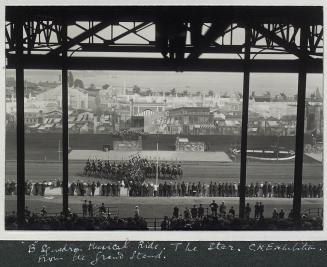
[
  {"x": 59, "y": 151},
  {"x": 157, "y": 170}
]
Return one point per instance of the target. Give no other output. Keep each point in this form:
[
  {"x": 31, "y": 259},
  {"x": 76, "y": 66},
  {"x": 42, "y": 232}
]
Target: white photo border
[{"x": 149, "y": 235}]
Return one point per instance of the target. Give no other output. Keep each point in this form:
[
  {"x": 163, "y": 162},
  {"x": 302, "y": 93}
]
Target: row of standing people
[
  {"x": 37, "y": 188},
  {"x": 221, "y": 210},
  {"x": 214, "y": 189},
  {"x": 169, "y": 189}
]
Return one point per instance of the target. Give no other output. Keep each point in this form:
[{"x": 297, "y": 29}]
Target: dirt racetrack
[
  {"x": 151, "y": 207},
  {"x": 193, "y": 172}
]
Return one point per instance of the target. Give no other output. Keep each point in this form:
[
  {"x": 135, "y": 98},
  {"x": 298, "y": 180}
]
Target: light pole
[
  {"x": 278, "y": 146},
  {"x": 59, "y": 150},
  {"x": 157, "y": 165}
]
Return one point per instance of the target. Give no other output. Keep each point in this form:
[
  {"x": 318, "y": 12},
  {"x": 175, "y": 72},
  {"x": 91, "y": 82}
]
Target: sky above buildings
[{"x": 191, "y": 81}]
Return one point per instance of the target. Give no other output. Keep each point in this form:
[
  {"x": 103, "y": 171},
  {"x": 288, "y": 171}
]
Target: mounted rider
[
  {"x": 93, "y": 164},
  {"x": 99, "y": 163}
]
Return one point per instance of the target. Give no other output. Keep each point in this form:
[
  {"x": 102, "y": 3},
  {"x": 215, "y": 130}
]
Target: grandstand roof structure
[{"x": 244, "y": 39}]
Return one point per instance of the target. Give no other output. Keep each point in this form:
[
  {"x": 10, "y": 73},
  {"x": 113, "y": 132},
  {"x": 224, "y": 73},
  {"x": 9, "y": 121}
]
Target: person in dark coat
[
  {"x": 102, "y": 209},
  {"x": 43, "y": 186},
  {"x": 261, "y": 210},
  {"x": 179, "y": 190},
  {"x": 175, "y": 212},
  {"x": 82, "y": 189},
  {"x": 193, "y": 188},
  {"x": 187, "y": 213},
  {"x": 214, "y": 208},
  {"x": 183, "y": 187},
  {"x": 117, "y": 189},
  {"x": 211, "y": 189},
  {"x": 256, "y": 210},
  {"x": 93, "y": 186},
  {"x": 103, "y": 189},
  {"x": 165, "y": 224},
  {"x": 275, "y": 215},
  {"x": 265, "y": 189},
  {"x": 37, "y": 189},
  {"x": 222, "y": 209},
  {"x": 72, "y": 188},
  {"x": 281, "y": 214},
  {"x": 84, "y": 208},
  {"x": 108, "y": 189},
  {"x": 200, "y": 211},
  {"x": 165, "y": 190},
  {"x": 310, "y": 190},
  {"x": 269, "y": 189},
  {"x": 194, "y": 212},
  {"x": 231, "y": 213},
  {"x": 113, "y": 190},
  {"x": 90, "y": 209}
]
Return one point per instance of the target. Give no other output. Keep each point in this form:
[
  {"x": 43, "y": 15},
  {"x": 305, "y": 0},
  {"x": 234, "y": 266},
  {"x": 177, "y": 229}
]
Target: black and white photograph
[{"x": 164, "y": 118}]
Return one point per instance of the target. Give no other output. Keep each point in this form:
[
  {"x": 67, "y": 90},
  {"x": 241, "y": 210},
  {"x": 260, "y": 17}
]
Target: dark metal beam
[
  {"x": 195, "y": 30},
  {"x": 299, "y": 141},
  {"x": 245, "y": 113},
  {"x": 138, "y": 48},
  {"x": 81, "y": 37},
  {"x": 234, "y": 49},
  {"x": 216, "y": 30},
  {"x": 20, "y": 126},
  {"x": 65, "y": 135},
  {"x": 256, "y": 14},
  {"x": 158, "y": 64},
  {"x": 288, "y": 46}
]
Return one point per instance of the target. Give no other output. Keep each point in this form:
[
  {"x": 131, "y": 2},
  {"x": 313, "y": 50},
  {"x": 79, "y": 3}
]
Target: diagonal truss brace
[
  {"x": 288, "y": 46},
  {"x": 216, "y": 30},
  {"x": 133, "y": 30},
  {"x": 81, "y": 37}
]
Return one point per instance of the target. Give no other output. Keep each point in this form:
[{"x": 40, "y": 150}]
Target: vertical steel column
[
  {"x": 64, "y": 121},
  {"x": 245, "y": 109},
  {"x": 20, "y": 125},
  {"x": 302, "y": 76}
]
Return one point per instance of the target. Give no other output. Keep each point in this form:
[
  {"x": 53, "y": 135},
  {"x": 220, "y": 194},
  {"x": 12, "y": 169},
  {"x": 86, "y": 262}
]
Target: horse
[
  {"x": 86, "y": 170},
  {"x": 154, "y": 170},
  {"x": 163, "y": 171},
  {"x": 168, "y": 171},
  {"x": 99, "y": 170},
  {"x": 148, "y": 171},
  {"x": 93, "y": 169},
  {"x": 114, "y": 171},
  {"x": 174, "y": 173}
]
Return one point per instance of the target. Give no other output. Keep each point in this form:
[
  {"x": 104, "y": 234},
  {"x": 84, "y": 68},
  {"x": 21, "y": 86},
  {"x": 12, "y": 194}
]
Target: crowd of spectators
[
  {"x": 181, "y": 189},
  {"x": 221, "y": 218},
  {"x": 171, "y": 189},
  {"x": 226, "y": 223},
  {"x": 73, "y": 221},
  {"x": 213, "y": 217}
]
